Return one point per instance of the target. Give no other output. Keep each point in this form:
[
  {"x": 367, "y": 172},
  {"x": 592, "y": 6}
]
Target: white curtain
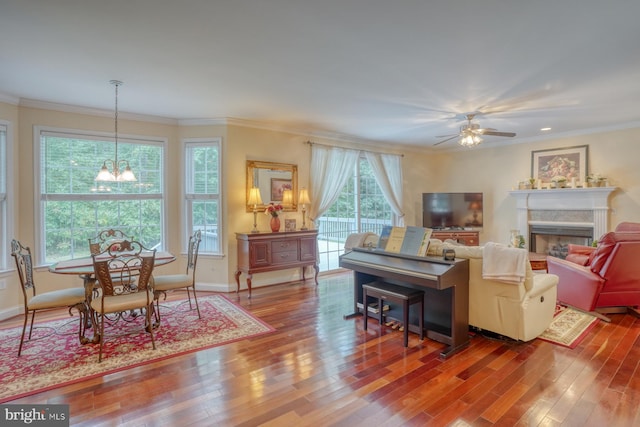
[
  {"x": 387, "y": 169},
  {"x": 331, "y": 167}
]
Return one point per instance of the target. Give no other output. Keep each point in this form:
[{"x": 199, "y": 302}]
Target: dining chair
[
  {"x": 124, "y": 274},
  {"x": 99, "y": 243},
  {"x": 165, "y": 283},
  {"x": 73, "y": 298}
]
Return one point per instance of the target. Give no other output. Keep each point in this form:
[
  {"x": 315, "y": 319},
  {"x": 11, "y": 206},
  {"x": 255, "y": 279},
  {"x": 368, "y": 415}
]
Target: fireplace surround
[{"x": 557, "y": 217}]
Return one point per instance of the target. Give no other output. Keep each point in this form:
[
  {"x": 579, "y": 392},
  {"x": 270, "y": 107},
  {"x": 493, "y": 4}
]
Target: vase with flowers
[
  {"x": 273, "y": 210},
  {"x": 596, "y": 180}
]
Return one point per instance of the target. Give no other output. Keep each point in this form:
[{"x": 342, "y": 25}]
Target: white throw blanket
[{"x": 504, "y": 264}]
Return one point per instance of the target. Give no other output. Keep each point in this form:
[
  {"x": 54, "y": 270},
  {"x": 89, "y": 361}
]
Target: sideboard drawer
[
  {"x": 278, "y": 246},
  {"x": 283, "y": 257}
]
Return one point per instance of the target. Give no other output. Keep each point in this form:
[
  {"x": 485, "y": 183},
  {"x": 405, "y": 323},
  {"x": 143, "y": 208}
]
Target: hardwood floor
[{"x": 319, "y": 369}]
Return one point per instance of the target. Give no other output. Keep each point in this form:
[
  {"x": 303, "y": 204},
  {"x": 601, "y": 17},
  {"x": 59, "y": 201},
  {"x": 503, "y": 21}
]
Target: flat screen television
[{"x": 451, "y": 210}]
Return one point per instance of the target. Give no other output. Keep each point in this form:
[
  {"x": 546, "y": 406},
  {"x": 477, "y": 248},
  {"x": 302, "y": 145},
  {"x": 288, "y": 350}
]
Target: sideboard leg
[
  {"x": 317, "y": 268},
  {"x": 238, "y": 273},
  {"x": 249, "y": 277}
]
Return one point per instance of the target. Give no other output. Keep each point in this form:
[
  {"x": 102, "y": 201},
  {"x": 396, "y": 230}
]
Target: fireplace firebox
[{"x": 555, "y": 240}]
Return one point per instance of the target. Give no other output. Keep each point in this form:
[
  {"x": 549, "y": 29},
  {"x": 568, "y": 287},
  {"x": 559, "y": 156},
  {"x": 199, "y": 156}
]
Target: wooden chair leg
[
  {"x": 405, "y": 315},
  {"x": 365, "y": 309}
]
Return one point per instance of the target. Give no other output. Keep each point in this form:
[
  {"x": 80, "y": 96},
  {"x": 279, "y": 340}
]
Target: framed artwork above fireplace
[{"x": 568, "y": 162}]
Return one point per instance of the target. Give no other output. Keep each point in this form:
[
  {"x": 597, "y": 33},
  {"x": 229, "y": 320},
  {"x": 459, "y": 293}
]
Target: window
[
  {"x": 74, "y": 208},
  {"x": 202, "y": 192},
  {"x": 361, "y": 207},
  {"x": 4, "y": 198}
]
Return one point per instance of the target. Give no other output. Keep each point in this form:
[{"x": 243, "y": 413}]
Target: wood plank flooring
[{"x": 318, "y": 369}]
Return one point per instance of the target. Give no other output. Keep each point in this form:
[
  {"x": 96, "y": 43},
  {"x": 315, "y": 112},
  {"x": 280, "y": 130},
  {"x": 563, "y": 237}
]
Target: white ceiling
[{"x": 382, "y": 71}]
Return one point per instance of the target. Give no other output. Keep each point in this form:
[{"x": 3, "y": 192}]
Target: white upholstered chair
[
  {"x": 124, "y": 274},
  {"x": 170, "y": 282},
  {"x": 73, "y": 298},
  {"x": 519, "y": 311}
]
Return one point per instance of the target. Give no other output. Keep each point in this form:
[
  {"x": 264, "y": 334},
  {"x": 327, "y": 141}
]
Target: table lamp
[
  {"x": 303, "y": 199},
  {"x": 255, "y": 200}
]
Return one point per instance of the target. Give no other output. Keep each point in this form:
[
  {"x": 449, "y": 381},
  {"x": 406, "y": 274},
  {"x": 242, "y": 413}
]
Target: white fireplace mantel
[{"x": 595, "y": 199}]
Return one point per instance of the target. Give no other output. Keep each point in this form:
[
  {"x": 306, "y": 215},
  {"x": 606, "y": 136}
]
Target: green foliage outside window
[{"x": 75, "y": 208}]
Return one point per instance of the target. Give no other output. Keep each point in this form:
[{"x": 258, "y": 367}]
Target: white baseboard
[
  {"x": 8, "y": 313},
  {"x": 213, "y": 287}
]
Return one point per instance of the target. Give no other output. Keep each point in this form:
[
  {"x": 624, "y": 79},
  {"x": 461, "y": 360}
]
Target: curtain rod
[{"x": 358, "y": 149}]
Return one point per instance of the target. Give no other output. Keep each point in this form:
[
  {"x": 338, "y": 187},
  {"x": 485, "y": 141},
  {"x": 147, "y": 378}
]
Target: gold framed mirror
[{"x": 272, "y": 179}]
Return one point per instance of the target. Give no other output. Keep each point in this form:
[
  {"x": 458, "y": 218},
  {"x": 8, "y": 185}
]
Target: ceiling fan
[{"x": 470, "y": 133}]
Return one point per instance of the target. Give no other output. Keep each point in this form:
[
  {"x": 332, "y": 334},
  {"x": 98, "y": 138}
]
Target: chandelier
[{"x": 116, "y": 174}]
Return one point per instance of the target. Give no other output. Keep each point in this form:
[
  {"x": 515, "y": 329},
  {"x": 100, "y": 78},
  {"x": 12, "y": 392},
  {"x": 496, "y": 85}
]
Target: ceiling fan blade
[
  {"x": 447, "y": 136},
  {"x": 494, "y": 133},
  {"x": 445, "y": 140}
]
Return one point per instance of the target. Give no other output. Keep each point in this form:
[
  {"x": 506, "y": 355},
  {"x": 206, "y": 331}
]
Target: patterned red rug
[
  {"x": 54, "y": 356},
  {"x": 569, "y": 327}
]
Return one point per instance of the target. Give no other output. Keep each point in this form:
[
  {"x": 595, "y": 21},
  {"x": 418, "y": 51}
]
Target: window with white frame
[
  {"x": 202, "y": 192},
  {"x": 73, "y": 207},
  {"x": 360, "y": 207},
  {"x": 4, "y": 198}
]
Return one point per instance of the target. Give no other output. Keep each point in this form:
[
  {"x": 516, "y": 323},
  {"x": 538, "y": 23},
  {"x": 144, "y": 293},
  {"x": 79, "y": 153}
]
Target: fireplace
[
  {"x": 555, "y": 240},
  {"x": 552, "y": 219}
]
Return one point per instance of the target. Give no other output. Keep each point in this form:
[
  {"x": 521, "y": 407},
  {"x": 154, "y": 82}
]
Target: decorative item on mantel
[
  {"x": 273, "y": 209},
  {"x": 559, "y": 181},
  {"x": 597, "y": 180}
]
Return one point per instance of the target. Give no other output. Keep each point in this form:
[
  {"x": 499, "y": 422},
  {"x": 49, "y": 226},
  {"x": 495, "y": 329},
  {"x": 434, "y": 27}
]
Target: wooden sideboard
[
  {"x": 465, "y": 237},
  {"x": 263, "y": 252}
]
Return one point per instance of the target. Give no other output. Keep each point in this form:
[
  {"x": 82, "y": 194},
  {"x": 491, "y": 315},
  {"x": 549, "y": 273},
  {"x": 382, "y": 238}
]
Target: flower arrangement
[
  {"x": 273, "y": 209},
  {"x": 596, "y": 178}
]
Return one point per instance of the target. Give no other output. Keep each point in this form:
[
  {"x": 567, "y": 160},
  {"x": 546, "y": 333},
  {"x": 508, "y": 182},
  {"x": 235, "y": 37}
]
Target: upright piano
[{"x": 445, "y": 285}]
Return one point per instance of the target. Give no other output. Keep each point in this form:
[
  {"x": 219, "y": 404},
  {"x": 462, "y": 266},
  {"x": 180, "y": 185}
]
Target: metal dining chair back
[
  {"x": 124, "y": 274},
  {"x": 101, "y": 242},
  {"x": 170, "y": 282},
  {"x": 73, "y": 298}
]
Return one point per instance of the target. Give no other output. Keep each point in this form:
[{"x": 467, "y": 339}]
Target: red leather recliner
[{"x": 601, "y": 277}]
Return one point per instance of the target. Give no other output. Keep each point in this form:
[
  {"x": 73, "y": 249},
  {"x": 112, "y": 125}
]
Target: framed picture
[
  {"x": 289, "y": 225},
  {"x": 567, "y": 162},
  {"x": 278, "y": 186}
]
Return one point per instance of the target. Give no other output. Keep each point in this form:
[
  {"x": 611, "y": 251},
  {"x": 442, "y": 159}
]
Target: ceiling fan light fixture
[{"x": 469, "y": 139}]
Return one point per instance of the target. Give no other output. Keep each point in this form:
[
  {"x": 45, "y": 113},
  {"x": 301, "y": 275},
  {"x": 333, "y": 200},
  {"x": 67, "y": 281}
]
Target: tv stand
[{"x": 462, "y": 236}]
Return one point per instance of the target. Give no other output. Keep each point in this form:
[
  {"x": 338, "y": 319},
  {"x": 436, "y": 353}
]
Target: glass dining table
[{"x": 83, "y": 267}]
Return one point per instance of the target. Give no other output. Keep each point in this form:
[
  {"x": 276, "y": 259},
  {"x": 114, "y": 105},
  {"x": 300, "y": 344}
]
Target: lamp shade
[
  {"x": 254, "y": 196},
  {"x": 287, "y": 198},
  {"x": 304, "y": 197}
]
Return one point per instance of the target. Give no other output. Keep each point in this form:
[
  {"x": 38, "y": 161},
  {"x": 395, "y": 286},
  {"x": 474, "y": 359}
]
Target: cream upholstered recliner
[{"x": 519, "y": 311}]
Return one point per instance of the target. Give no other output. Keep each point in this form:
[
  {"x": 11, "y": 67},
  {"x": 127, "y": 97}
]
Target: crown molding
[
  {"x": 9, "y": 99},
  {"x": 66, "y": 108}
]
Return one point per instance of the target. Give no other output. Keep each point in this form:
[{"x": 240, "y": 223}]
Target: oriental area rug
[
  {"x": 54, "y": 357},
  {"x": 569, "y": 327}
]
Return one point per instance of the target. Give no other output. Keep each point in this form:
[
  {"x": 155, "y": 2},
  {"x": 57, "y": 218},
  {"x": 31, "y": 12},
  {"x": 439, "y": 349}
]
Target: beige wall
[
  {"x": 493, "y": 169},
  {"x": 496, "y": 167}
]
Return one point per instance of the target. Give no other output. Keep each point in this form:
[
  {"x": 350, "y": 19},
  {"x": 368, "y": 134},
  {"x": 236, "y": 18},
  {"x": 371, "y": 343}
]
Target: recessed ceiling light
[{"x": 545, "y": 129}]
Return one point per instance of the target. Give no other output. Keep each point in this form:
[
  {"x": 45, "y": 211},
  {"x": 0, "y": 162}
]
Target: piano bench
[{"x": 398, "y": 294}]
